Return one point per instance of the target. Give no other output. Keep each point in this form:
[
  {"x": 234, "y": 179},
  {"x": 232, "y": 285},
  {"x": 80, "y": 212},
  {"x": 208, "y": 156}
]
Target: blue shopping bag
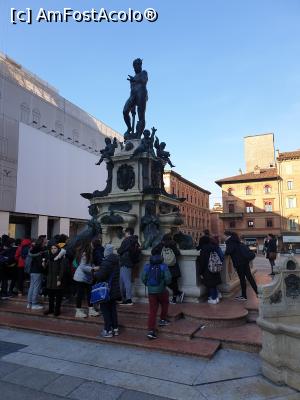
[{"x": 100, "y": 292}]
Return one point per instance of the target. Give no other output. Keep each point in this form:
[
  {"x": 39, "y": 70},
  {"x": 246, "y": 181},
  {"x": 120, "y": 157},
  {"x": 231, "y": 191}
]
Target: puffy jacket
[
  {"x": 55, "y": 270},
  {"x": 84, "y": 272},
  {"x": 18, "y": 257},
  {"x": 165, "y": 275},
  {"x": 110, "y": 265},
  {"x": 210, "y": 280}
]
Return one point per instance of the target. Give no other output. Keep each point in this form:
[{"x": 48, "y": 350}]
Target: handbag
[{"x": 100, "y": 292}]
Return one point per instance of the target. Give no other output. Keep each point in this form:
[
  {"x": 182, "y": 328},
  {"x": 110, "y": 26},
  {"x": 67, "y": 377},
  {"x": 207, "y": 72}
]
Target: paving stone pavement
[{"x": 52, "y": 368}]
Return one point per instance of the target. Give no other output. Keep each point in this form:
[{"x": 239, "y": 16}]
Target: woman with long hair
[{"x": 84, "y": 277}]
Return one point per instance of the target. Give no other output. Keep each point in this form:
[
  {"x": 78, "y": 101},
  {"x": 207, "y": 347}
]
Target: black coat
[
  {"x": 233, "y": 250},
  {"x": 210, "y": 280},
  {"x": 124, "y": 252},
  {"x": 109, "y": 265},
  {"x": 37, "y": 253},
  {"x": 272, "y": 246},
  {"x": 56, "y": 271},
  {"x": 98, "y": 255}
]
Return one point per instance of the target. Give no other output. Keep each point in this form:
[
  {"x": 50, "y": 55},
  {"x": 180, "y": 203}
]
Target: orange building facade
[{"x": 195, "y": 209}]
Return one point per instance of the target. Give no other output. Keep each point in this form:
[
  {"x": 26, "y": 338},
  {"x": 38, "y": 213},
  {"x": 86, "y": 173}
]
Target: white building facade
[{"x": 48, "y": 151}]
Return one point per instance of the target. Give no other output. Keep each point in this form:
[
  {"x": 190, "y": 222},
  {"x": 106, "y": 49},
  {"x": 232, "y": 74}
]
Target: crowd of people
[{"x": 58, "y": 272}]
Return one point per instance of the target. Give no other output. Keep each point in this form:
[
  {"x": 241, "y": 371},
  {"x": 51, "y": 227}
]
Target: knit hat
[{"x": 108, "y": 249}]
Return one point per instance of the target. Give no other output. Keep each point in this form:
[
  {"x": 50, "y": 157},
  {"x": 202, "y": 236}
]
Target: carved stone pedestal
[
  {"x": 135, "y": 197},
  {"x": 279, "y": 318}
]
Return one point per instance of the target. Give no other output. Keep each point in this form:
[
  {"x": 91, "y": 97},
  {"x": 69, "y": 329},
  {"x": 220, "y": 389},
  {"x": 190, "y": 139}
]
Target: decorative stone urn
[{"x": 279, "y": 318}]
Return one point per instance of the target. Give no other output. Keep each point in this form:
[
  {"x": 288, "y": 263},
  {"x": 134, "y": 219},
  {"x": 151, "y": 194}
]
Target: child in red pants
[{"x": 156, "y": 276}]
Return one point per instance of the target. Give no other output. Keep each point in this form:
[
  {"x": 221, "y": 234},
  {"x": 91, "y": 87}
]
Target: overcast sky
[{"x": 218, "y": 70}]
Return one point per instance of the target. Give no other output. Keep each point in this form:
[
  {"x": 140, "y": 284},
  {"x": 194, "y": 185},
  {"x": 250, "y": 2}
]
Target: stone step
[
  {"x": 227, "y": 313},
  {"x": 182, "y": 329},
  {"x": 245, "y": 338},
  {"x": 196, "y": 347},
  {"x": 137, "y": 310}
]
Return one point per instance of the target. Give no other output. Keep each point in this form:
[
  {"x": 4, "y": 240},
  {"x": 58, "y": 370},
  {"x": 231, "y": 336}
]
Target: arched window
[
  {"x": 248, "y": 190},
  {"x": 267, "y": 189},
  {"x": 268, "y": 206},
  {"x": 25, "y": 111},
  {"x": 230, "y": 191}
]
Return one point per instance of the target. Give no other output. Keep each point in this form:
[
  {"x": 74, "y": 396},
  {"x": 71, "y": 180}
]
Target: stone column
[
  {"x": 188, "y": 282},
  {"x": 39, "y": 226},
  {"x": 61, "y": 225},
  {"x": 4, "y": 222}
]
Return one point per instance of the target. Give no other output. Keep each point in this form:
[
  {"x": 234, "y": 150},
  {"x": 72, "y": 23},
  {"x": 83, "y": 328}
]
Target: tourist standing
[
  {"x": 240, "y": 262},
  {"x": 38, "y": 254},
  {"x": 55, "y": 269},
  {"x": 20, "y": 256},
  {"x": 156, "y": 276},
  {"x": 127, "y": 252},
  {"x": 271, "y": 251},
  {"x": 210, "y": 279},
  {"x": 84, "y": 277},
  {"x": 169, "y": 251},
  {"x": 109, "y": 272}
]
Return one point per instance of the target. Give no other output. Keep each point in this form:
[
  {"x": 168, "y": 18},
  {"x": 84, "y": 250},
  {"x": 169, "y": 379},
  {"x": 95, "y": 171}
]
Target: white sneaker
[
  {"x": 93, "y": 312},
  {"x": 36, "y": 307},
  {"x": 220, "y": 296},
  {"x": 28, "y": 306},
  {"x": 80, "y": 313},
  {"x": 211, "y": 301}
]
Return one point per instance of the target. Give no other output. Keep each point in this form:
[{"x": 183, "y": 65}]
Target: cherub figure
[
  {"x": 146, "y": 145},
  {"x": 161, "y": 153},
  {"x": 109, "y": 149}
]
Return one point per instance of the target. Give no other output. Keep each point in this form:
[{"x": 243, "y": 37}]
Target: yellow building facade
[{"x": 265, "y": 201}]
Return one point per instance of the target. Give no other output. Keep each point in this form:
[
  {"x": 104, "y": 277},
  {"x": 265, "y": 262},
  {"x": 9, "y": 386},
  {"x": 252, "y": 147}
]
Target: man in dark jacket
[
  {"x": 109, "y": 271},
  {"x": 126, "y": 264},
  {"x": 38, "y": 254},
  {"x": 271, "y": 250},
  {"x": 240, "y": 263}
]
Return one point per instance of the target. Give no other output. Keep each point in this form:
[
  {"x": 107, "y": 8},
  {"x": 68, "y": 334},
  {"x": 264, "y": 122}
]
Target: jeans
[
  {"x": 110, "y": 316},
  {"x": 34, "y": 288},
  {"x": 125, "y": 282},
  {"x": 83, "y": 289},
  {"x": 243, "y": 273},
  {"x": 155, "y": 300}
]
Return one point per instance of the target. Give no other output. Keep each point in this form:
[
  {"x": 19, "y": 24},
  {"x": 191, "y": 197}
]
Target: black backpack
[{"x": 246, "y": 253}]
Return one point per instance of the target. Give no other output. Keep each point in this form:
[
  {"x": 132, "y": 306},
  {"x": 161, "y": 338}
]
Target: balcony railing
[{"x": 231, "y": 215}]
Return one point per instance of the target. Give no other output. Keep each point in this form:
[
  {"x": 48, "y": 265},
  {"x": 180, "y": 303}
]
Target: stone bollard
[{"x": 279, "y": 319}]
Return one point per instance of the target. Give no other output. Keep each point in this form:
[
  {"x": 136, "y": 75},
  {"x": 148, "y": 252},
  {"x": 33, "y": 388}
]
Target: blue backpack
[{"x": 154, "y": 273}]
